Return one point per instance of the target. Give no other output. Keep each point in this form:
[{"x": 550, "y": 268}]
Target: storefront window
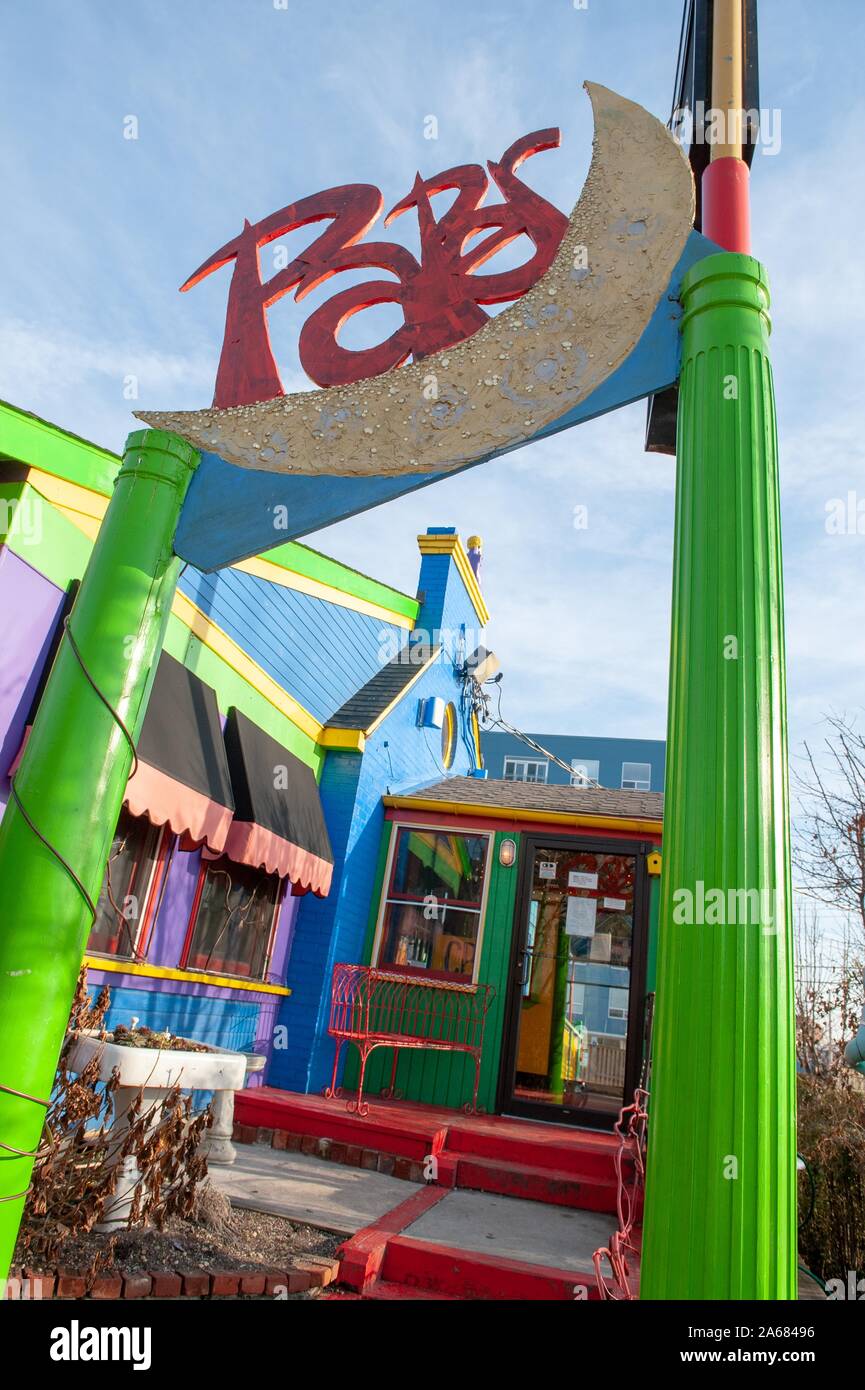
[
  {"x": 233, "y": 920},
  {"x": 126, "y": 896},
  {"x": 432, "y": 911}
]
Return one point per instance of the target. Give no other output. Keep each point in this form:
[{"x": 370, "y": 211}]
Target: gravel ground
[{"x": 231, "y": 1239}]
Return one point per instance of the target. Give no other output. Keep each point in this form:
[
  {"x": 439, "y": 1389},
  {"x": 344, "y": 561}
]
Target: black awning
[
  {"x": 278, "y": 820},
  {"x": 182, "y": 779}
]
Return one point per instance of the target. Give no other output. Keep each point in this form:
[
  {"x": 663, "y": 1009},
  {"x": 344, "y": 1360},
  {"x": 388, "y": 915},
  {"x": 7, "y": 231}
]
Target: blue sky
[{"x": 243, "y": 107}]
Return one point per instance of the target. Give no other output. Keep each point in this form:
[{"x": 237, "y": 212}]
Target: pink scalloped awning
[
  {"x": 196, "y": 818},
  {"x": 252, "y": 844}
]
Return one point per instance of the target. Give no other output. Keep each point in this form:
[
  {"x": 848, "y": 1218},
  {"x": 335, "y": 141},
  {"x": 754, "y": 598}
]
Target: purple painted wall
[
  {"x": 284, "y": 937},
  {"x": 30, "y": 606},
  {"x": 165, "y": 948},
  {"x": 171, "y": 925}
]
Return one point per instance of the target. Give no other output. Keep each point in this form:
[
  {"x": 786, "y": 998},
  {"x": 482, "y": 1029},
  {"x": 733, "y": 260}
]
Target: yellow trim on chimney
[{"x": 453, "y": 546}]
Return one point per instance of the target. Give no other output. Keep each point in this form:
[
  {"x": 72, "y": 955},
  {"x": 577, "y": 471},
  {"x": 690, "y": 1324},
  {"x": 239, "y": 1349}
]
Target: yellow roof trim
[
  {"x": 228, "y": 650},
  {"x": 166, "y": 972},
  {"x": 348, "y": 740},
  {"x": 431, "y": 660},
  {"x": 86, "y": 509},
  {"x": 510, "y": 813},
  {"x": 452, "y": 545},
  {"x": 263, "y": 568}
]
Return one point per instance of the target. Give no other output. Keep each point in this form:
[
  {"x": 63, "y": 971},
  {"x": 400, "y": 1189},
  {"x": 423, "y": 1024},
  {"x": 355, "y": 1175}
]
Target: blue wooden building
[{"x": 617, "y": 764}]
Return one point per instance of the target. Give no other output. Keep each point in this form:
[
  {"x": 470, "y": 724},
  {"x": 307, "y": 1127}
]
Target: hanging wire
[
  {"x": 481, "y": 707},
  {"x": 12, "y": 1152},
  {"x": 245, "y": 912},
  {"x": 120, "y": 913},
  {"x": 681, "y": 61}
]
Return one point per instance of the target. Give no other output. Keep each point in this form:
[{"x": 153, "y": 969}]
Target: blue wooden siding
[
  {"x": 334, "y": 929},
  {"x": 319, "y": 652},
  {"x": 225, "y": 1022}
]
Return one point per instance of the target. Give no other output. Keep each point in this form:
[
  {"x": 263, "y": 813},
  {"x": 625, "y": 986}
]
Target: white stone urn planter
[{"x": 156, "y": 1071}]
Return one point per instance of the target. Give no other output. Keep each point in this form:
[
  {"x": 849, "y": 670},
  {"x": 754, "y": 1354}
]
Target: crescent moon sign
[{"x": 525, "y": 368}]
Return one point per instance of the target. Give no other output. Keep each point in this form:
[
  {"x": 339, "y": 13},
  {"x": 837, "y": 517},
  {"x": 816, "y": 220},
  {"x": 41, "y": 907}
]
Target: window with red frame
[
  {"x": 134, "y": 870},
  {"x": 432, "y": 912},
  {"x": 233, "y": 919}
]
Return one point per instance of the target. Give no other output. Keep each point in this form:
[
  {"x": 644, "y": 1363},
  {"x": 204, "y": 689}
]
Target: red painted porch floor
[
  {"x": 475, "y": 1231},
  {"x": 491, "y": 1153}
]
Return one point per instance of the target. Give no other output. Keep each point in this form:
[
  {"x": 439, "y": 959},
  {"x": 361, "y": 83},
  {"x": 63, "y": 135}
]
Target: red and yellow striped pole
[{"x": 726, "y": 181}]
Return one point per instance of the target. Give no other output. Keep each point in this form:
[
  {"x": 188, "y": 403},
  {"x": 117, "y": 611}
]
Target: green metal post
[
  {"x": 720, "y": 1218},
  {"x": 71, "y": 784},
  {"x": 559, "y": 1012}
]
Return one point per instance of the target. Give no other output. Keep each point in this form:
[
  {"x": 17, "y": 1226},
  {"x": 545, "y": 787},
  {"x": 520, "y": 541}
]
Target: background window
[
  {"x": 584, "y": 771},
  {"x": 233, "y": 920},
  {"x": 525, "y": 770},
  {"x": 433, "y": 907},
  {"x": 129, "y": 878},
  {"x": 637, "y": 777},
  {"x": 578, "y": 1003},
  {"x": 618, "y": 1005}
]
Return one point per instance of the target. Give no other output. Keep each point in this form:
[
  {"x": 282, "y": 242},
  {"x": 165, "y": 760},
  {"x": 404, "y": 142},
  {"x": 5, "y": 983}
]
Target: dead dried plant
[{"x": 79, "y": 1157}]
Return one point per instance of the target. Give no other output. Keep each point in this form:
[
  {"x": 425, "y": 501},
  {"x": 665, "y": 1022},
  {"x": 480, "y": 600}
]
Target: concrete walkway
[
  {"x": 344, "y": 1199},
  {"x": 515, "y": 1230},
  {"x": 308, "y": 1189}
]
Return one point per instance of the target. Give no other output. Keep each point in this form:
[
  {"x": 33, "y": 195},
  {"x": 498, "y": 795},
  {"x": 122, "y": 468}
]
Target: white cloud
[{"x": 48, "y": 362}]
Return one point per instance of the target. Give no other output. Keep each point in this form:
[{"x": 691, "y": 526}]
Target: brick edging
[
  {"x": 351, "y": 1155},
  {"x": 308, "y": 1273}
]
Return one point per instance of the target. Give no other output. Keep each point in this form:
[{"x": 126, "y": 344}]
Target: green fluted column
[
  {"x": 720, "y": 1217},
  {"x": 71, "y": 784}
]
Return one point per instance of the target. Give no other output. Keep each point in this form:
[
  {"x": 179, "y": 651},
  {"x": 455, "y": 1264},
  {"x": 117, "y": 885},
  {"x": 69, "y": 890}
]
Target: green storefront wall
[{"x": 446, "y": 1078}]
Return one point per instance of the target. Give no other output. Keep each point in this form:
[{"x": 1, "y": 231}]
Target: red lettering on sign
[{"x": 440, "y": 295}]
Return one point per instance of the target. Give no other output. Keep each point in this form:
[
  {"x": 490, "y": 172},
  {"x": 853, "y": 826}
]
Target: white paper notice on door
[
  {"x": 547, "y": 868},
  {"x": 615, "y": 904},
  {"x": 581, "y": 916},
  {"x": 578, "y": 880}
]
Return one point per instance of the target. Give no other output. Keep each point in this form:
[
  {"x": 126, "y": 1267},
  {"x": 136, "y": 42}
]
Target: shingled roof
[
  {"x": 369, "y": 703},
  {"x": 541, "y": 796}
]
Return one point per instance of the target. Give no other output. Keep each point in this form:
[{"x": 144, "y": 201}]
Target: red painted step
[
  {"x": 383, "y": 1290},
  {"x": 582, "y": 1156},
  {"x": 413, "y": 1134},
  {"x": 555, "y": 1186},
  {"x": 427, "y": 1268}
]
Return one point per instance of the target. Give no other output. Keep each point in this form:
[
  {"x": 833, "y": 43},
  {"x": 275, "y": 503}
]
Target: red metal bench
[{"x": 381, "y": 1008}]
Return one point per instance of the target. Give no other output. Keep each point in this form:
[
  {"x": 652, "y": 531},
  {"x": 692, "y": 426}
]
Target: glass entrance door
[{"x": 574, "y": 1044}]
